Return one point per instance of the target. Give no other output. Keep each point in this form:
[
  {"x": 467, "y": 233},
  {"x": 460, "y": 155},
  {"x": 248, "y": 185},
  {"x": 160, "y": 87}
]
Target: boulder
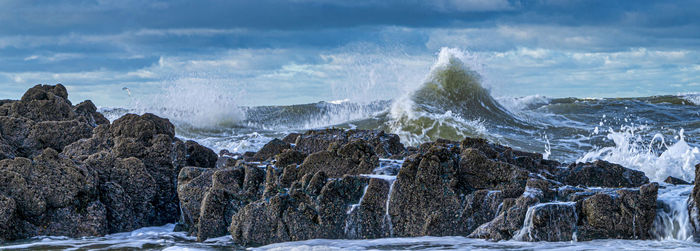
[
  {"x": 601, "y": 174},
  {"x": 289, "y": 157},
  {"x": 356, "y": 157},
  {"x": 313, "y": 141},
  {"x": 631, "y": 210},
  {"x": 271, "y": 149},
  {"x": 675, "y": 181},
  {"x": 200, "y": 156}
]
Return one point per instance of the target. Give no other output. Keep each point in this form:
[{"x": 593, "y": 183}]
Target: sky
[{"x": 272, "y": 52}]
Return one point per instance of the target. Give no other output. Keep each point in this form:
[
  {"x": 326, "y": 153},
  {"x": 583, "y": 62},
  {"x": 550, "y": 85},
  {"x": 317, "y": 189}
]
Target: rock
[
  {"x": 198, "y": 155},
  {"x": 480, "y": 172},
  {"x": 291, "y": 138},
  {"x": 319, "y": 140},
  {"x": 297, "y": 215},
  {"x": 87, "y": 113},
  {"x": 56, "y": 134},
  {"x": 289, "y": 157},
  {"x": 426, "y": 197},
  {"x": 271, "y": 149},
  {"x": 192, "y": 185},
  {"x": 675, "y": 181},
  {"x": 210, "y": 197},
  {"x": 554, "y": 221},
  {"x": 632, "y": 211},
  {"x": 356, "y": 157},
  {"x": 49, "y": 195},
  {"x": 510, "y": 219},
  {"x": 694, "y": 205},
  {"x": 44, "y": 103},
  {"x": 601, "y": 174}
]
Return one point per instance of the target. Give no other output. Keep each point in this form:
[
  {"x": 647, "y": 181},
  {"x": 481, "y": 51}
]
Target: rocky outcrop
[
  {"x": 601, "y": 174},
  {"x": 355, "y": 157},
  {"x": 67, "y": 171},
  {"x": 470, "y": 188},
  {"x": 44, "y": 118},
  {"x": 210, "y": 197},
  {"x": 385, "y": 145}
]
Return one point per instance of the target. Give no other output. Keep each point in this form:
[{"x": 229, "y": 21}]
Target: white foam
[{"x": 634, "y": 151}]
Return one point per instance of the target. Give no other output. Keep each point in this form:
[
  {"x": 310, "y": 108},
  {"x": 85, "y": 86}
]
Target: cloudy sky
[{"x": 300, "y": 51}]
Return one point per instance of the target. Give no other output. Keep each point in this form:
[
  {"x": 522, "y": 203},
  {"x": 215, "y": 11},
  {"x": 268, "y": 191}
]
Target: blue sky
[{"x": 300, "y": 51}]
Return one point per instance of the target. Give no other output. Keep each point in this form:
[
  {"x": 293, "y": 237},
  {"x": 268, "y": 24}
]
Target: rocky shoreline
[{"x": 66, "y": 170}]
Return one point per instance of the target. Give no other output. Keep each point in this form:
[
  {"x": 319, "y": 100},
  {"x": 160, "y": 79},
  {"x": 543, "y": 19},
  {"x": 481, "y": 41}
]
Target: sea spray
[
  {"x": 194, "y": 103},
  {"x": 630, "y": 150}
]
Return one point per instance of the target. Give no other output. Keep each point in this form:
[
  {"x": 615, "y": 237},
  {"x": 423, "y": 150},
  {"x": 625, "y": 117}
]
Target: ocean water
[{"x": 658, "y": 135}]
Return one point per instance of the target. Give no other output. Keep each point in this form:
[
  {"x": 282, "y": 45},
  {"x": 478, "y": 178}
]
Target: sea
[{"x": 659, "y": 135}]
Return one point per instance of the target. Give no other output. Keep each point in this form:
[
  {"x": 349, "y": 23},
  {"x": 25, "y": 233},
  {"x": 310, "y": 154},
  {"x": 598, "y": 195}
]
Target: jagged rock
[
  {"x": 44, "y": 103},
  {"x": 49, "y": 195},
  {"x": 296, "y": 215},
  {"x": 56, "y": 134},
  {"x": 192, "y": 184},
  {"x": 426, "y": 197},
  {"x": 554, "y": 221},
  {"x": 289, "y": 157},
  {"x": 198, "y": 155},
  {"x": 481, "y": 207},
  {"x": 356, "y": 157},
  {"x": 511, "y": 217},
  {"x": 601, "y": 174},
  {"x": 87, "y": 113},
  {"x": 624, "y": 214},
  {"x": 694, "y": 205},
  {"x": 676, "y": 181},
  {"x": 313, "y": 141},
  {"x": 480, "y": 172},
  {"x": 271, "y": 149},
  {"x": 210, "y": 197}
]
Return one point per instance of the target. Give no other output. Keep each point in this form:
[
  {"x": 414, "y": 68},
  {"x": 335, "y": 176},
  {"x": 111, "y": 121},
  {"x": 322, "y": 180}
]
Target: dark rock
[
  {"x": 356, "y": 157},
  {"x": 56, "y": 134},
  {"x": 198, "y": 155},
  {"x": 479, "y": 172},
  {"x": 87, "y": 112},
  {"x": 554, "y": 221},
  {"x": 271, "y": 149},
  {"x": 631, "y": 210},
  {"x": 291, "y": 138},
  {"x": 49, "y": 195},
  {"x": 289, "y": 157},
  {"x": 313, "y": 141},
  {"x": 676, "y": 181},
  {"x": 426, "y": 197},
  {"x": 694, "y": 205},
  {"x": 44, "y": 103},
  {"x": 210, "y": 197},
  {"x": 510, "y": 219},
  {"x": 601, "y": 174}
]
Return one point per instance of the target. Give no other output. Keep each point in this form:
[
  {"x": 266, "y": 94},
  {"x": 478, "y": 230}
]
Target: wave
[{"x": 451, "y": 104}]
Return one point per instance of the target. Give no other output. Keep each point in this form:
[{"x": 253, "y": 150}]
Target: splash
[
  {"x": 653, "y": 157},
  {"x": 194, "y": 103},
  {"x": 451, "y": 104}
]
